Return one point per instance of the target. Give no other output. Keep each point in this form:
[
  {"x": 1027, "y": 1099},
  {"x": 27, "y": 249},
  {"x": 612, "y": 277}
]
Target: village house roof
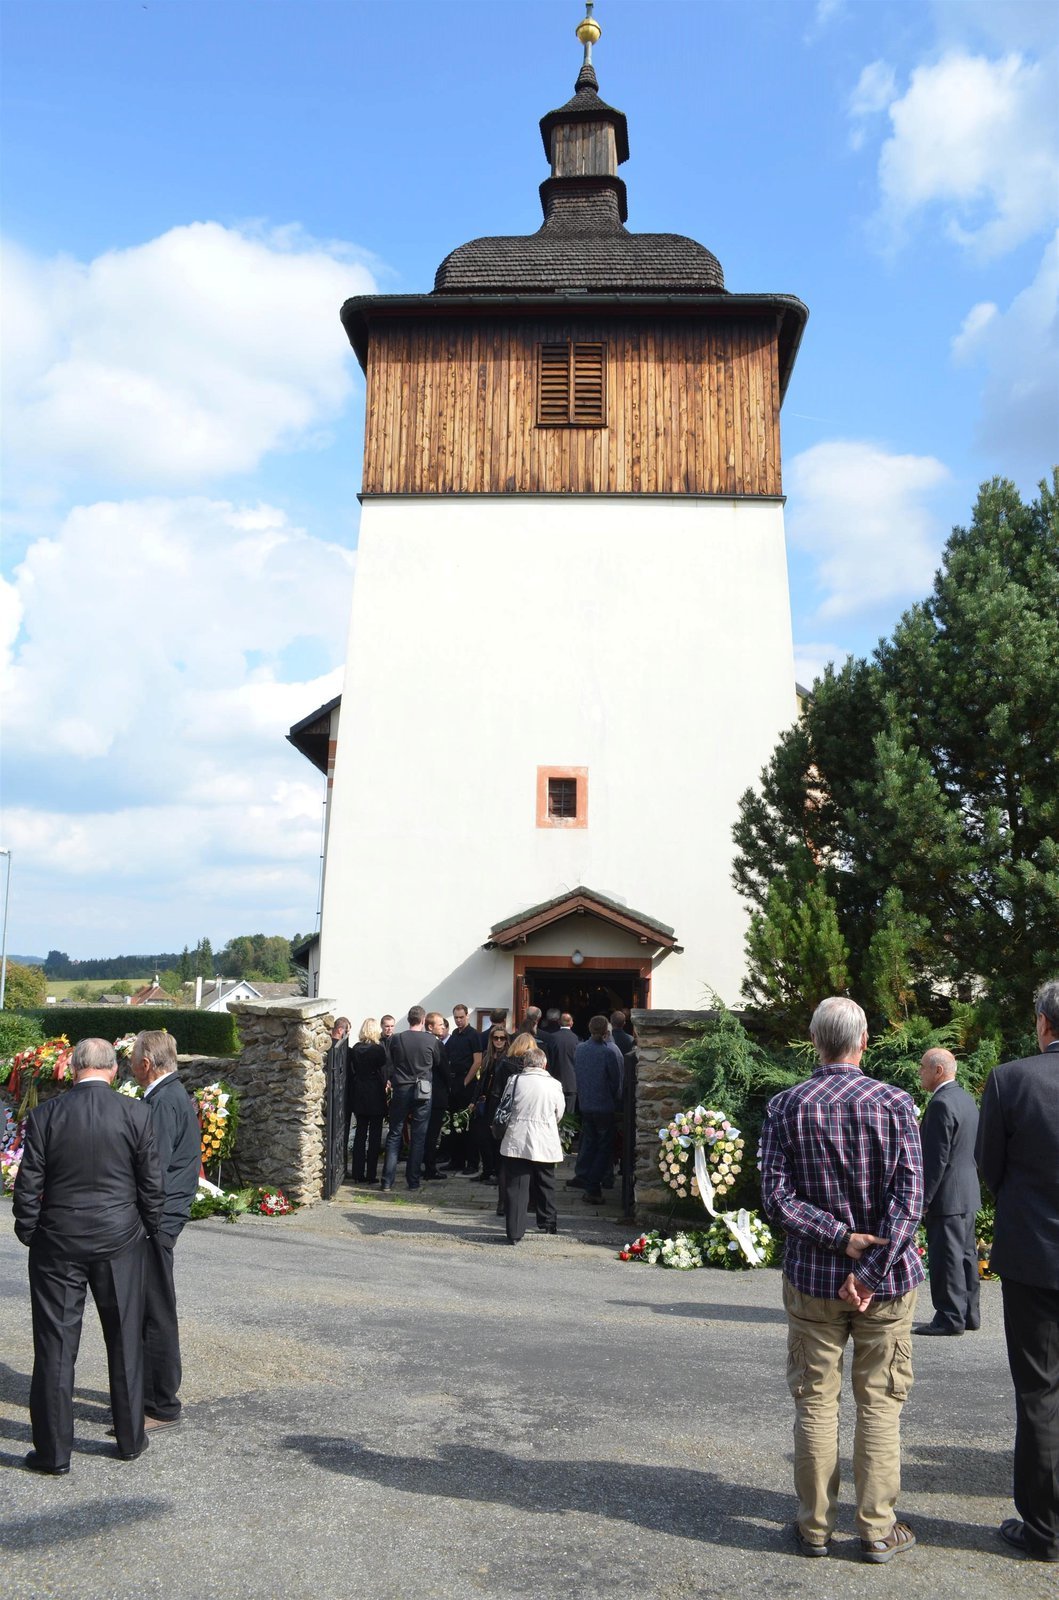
[{"x": 581, "y": 901}]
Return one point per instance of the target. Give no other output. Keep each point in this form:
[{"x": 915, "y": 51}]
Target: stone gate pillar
[{"x": 280, "y": 1076}]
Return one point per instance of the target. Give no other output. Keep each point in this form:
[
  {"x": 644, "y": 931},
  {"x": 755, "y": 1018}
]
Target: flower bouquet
[
  {"x": 683, "y": 1252},
  {"x": 123, "y": 1047},
  {"x": 722, "y": 1249},
  {"x": 455, "y": 1122},
  {"x": 569, "y": 1128},
  {"x": 710, "y": 1133},
  {"x": 715, "y": 1148},
  {"x": 212, "y": 1201},
  {"x": 10, "y": 1150},
  {"x": 272, "y": 1203},
  {"x": 41, "y": 1063},
  {"x": 218, "y": 1106}
]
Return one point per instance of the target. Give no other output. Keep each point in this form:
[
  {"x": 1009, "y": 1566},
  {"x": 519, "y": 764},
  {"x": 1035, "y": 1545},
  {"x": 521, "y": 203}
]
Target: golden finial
[{"x": 588, "y": 31}]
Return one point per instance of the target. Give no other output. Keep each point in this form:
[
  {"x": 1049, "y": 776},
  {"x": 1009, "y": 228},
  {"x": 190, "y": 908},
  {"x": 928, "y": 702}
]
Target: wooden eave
[
  {"x": 580, "y": 902},
  {"x": 363, "y": 313},
  {"x": 311, "y": 736}
]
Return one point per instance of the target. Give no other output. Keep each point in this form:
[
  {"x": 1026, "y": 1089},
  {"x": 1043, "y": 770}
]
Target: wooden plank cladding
[
  {"x": 692, "y": 407},
  {"x": 583, "y": 147}
]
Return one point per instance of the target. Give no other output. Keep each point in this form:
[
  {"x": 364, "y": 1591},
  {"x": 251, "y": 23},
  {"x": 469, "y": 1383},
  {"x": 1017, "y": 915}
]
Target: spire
[
  {"x": 589, "y": 33},
  {"x": 585, "y": 141}
]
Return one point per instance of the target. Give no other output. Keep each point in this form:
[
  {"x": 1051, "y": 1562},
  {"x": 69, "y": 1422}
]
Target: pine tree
[
  {"x": 796, "y": 954},
  {"x": 932, "y": 770}
]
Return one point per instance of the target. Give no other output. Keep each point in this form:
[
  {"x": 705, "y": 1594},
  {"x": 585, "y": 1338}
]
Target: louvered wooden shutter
[
  {"x": 589, "y": 396},
  {"x": 572, "y": 385},
  {"x": 554, "y": 400}
]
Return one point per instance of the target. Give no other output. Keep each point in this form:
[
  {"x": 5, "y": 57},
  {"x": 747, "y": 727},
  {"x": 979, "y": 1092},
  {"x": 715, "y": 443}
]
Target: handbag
[
  {"x": 424, "y": 1090},
  {"x": 504, "y": 1111}
]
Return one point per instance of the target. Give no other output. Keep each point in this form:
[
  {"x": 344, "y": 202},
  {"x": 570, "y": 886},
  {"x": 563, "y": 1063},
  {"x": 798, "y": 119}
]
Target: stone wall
[
  {"x": 280, "y": 1078},
  {"x": 663, "y": 1087}
]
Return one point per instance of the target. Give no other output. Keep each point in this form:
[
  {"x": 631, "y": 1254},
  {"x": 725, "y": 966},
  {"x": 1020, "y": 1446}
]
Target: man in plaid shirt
[{"x": 842, "y": 1175}]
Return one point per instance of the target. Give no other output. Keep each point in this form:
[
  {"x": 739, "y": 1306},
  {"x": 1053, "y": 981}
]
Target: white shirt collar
[{"x": 152, "y": 1087}]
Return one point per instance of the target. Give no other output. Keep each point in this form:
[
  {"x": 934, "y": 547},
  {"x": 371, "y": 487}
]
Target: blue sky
[{"x": 190, "y": 191}]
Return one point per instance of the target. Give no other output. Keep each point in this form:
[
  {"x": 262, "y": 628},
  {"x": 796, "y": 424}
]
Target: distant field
[{"x": 61, "y": 987}]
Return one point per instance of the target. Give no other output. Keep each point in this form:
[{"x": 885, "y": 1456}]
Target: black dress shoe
[
  {"x": 133, "y": 1455},
  {"x": 34, "y": 1463},
  {"x": 1013, "y": 1532},
  {"x": 938, "y": 1330}
]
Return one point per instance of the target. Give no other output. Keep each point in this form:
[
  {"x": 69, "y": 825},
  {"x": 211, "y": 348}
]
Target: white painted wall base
[{"x": 645, "y": 638}]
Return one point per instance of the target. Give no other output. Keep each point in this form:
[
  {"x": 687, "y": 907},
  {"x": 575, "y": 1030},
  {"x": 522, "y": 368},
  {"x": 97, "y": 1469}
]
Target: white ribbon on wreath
[{"x": 737, "y": 1222}]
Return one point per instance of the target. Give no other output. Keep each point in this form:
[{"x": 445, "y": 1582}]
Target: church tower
[{"x": 570, "y": 645}]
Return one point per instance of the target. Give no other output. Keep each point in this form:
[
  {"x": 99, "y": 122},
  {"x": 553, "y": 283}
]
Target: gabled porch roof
[{"x": 579, "y": 902}]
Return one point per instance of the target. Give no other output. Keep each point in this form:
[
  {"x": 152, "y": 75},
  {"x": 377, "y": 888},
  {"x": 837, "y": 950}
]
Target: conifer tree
[{"x": 931, "y": 770}]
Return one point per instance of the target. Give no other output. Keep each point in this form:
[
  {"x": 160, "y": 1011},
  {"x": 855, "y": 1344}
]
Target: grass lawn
[{"x": 62, "y": 987}]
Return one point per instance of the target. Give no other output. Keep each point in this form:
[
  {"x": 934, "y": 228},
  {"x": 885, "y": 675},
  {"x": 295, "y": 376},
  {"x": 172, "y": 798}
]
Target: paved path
[{"x": 384, "y": 1400}]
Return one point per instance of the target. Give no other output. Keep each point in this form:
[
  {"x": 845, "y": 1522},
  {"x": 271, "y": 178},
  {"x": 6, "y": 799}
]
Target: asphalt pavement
[{"x": 385, "y": 1399}]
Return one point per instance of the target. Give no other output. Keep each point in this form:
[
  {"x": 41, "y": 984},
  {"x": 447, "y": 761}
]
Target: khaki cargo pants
[{"x": 817, "y": 1334}]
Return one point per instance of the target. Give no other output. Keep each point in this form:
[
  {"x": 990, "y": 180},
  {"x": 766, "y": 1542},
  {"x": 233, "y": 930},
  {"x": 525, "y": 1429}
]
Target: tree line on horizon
[{"x": 265, "y": 957}]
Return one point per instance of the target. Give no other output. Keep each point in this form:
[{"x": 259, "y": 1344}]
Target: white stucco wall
[{"x": 645, "y": 638}]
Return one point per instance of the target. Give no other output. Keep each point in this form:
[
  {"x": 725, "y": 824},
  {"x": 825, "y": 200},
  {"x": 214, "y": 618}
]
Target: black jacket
[
  {"x": 369, "y": 1068},
  {"x": 179, "y": 1143},
  {"x": 89, "y": 1184},
  {"x": 1018, "y": 1157},
  {"x": 950, "y": 1177},
  {"x": 561, "y": 1061}
]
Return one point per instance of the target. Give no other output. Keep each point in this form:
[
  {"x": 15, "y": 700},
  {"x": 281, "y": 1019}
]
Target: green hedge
[{"x": 197, "y": 1033}]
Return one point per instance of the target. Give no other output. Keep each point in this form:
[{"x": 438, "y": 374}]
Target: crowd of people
[
  {"x": 106, "y": 1183},
  {"x": 514, "y": 1088}
]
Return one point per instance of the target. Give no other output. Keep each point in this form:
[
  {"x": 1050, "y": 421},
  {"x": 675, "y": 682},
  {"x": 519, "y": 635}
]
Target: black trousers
[
  {"x": 161, "y": 1336},
  {"x": 484, "y": 1143},
  {"x": 1031, "y": 1327},
  {"x": 954, "y": 1286},
  {"x": 367, "y": 1142},
  {"x": 439, "y": 1104},
  {"x": 57, "y": 1289},
  {"x": 526, "y": 1183}
]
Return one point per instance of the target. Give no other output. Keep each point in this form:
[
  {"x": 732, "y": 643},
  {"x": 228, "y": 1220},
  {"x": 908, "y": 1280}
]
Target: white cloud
[
  {"x": 977, "y": 138},
  {"x": 811, "y": 657},
  {"x": 142, "y": 614},
  {"x": 1019, "y": 423},
  {"x": 147, "y": 697},
  {"x": 175, "y": 361},
  {"x": 863, "y": 514},
  {"x": 876, "y": 88},
  {"x": 972, "y": 328}
]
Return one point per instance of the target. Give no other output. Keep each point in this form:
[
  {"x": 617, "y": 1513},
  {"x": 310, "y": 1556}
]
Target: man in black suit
[
  {"x": 951, "y": 1197},
  {"x": 179, "y": 1144},
  {"x": 1018, "y": 1157},
  {"x": 88, "y": 1192},
  {"x": 564, "y": 1048}
]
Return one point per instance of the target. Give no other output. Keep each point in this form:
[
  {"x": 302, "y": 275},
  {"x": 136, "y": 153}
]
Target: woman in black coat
[
  {"x": 368, "y": 1071},
  {"x": 484, "y": 1102}
]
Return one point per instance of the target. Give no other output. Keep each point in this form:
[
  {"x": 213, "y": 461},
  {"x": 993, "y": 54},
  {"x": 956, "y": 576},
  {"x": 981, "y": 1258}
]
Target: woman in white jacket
[{"x": 531, "y": 1146}]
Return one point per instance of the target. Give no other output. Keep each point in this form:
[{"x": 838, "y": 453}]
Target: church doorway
[{"x": 595, "y": 987}]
